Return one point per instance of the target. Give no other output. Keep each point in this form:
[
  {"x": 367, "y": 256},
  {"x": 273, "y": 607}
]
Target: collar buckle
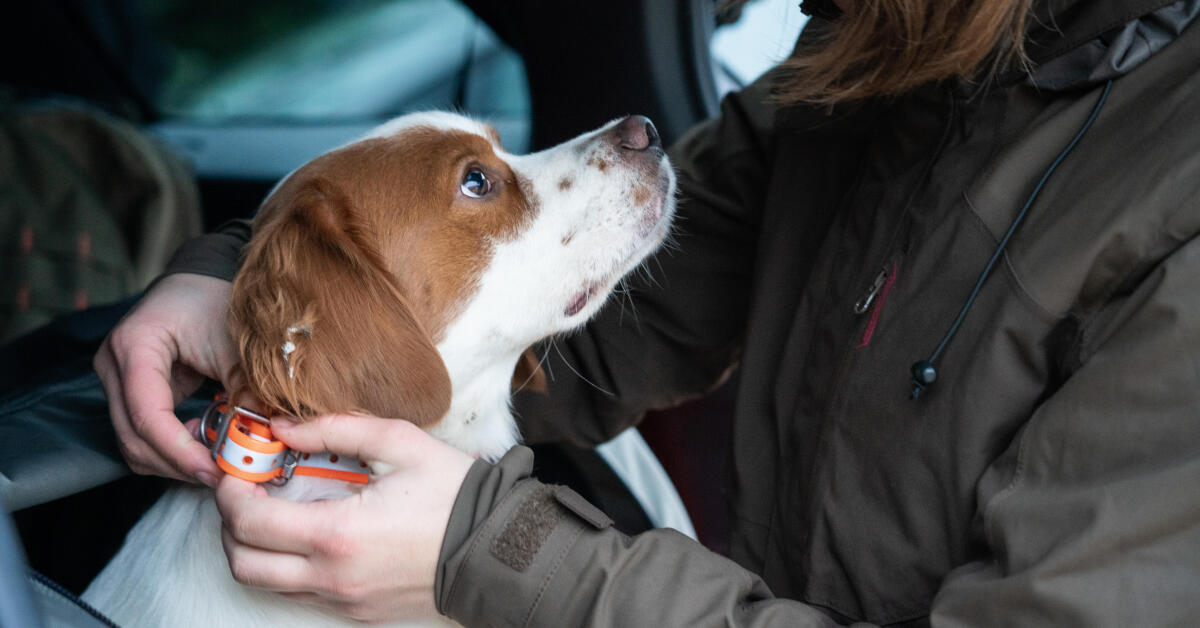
[
  {"x": 255, "y": 454},
  {"x": 291, "y": 460},
  {"x": 214, "y": 425}
]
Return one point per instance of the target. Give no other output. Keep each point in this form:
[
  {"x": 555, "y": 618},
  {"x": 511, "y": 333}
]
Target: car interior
[{"x": 243, "y": 93}]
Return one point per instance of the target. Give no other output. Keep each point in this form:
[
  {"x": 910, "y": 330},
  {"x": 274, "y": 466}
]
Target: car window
[
  {"x": 761, "y": 37},
  {"x": 312, "y": 74}
]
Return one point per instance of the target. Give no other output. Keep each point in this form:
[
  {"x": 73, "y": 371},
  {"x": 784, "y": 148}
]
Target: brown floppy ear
[
  {"x": 321, "y": 324},
  {"x": 528, "y": 375}
]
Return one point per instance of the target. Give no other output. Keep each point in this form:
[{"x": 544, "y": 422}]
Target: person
[{"x": 952, "y": 248}]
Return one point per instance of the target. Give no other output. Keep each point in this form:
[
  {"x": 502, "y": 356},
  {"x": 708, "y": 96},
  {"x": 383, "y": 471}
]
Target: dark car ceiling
[
  {"x": 90, "y": 50},
  {"x": 589, "y": 62}
]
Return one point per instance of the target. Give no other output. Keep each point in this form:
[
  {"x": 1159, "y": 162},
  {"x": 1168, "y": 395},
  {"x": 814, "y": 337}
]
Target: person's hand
[
  {"x": 155, "y": 357},
  {"x": 372, "y": 556}
]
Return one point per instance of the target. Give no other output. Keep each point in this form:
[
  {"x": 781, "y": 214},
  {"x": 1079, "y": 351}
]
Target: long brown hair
[{"x": 881, "y": 48}]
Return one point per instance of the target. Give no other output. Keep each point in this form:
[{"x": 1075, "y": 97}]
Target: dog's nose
[{"x": 636, "y": 133}]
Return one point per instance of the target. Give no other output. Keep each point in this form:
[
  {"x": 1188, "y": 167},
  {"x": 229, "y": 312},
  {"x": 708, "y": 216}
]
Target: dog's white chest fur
[{"x": 173, "y": 572}]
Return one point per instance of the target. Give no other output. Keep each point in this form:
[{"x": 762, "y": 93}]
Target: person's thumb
[{"x": 369, "y": 438}]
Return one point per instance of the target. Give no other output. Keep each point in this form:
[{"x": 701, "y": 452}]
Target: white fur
[{"x": 172, "y": 570}]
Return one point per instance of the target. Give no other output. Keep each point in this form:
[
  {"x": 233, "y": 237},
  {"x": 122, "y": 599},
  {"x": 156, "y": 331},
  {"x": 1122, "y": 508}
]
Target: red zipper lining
[{"x": 878, "y": 307}]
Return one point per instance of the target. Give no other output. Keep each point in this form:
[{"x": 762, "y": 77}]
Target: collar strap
[{"x": 243, "y": 445}]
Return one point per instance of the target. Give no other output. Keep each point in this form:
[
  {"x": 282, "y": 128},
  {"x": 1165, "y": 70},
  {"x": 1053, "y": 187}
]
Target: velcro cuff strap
[
  {"x": 582, "y": 508},
  {"x": 534, "y": 520},
  {"x": 528, "y": 529}
]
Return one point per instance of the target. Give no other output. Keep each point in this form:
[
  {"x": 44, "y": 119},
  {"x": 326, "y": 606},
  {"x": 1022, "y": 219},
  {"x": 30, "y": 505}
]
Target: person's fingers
[
  {"x": 185, "y": 380},
  {"x": 272, "y": 523},
  {"x": 264, "y": 569},
  {"x": 137, "y": 453},
  {"x": 151, "y": 409},
  {"x": 369, "y": 438},
  {"x": 193, "y": 428},
  {"x": 142, "y": 459}
]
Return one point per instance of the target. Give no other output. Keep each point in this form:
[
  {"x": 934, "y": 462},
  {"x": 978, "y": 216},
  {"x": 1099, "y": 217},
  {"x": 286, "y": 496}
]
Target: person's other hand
[
  {"x": 372, "y": 556},
  {"x": 155, "y": 357}
]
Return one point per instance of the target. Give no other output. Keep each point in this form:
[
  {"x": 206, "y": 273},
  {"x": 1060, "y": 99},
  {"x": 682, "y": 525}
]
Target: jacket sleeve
[
  {"x": 1093, "y": 515},
  {"x": 216, "y": 254},
  {"x": 677, "y": 328},
  {"x": 520, "y": 553}
]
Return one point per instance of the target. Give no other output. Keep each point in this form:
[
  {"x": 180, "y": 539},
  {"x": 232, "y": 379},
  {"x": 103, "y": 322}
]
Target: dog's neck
[{"x": 480, "y": 418}]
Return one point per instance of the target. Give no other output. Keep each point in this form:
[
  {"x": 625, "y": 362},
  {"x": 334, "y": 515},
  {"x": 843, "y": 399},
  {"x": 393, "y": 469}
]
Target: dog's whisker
[
  {"x": 621, "y": 292},
  {"x": 524, "y": 383},
  {"x": 580, "y": 375},
  {"x": 671, "y": 244},
  {"x": 532, "y": 373},
  {"x": 625, "y": 290},
  {"x": 632, "y": 306},
  {"x": 646, "y": 271},
  {"x": 545, "y": 362}
]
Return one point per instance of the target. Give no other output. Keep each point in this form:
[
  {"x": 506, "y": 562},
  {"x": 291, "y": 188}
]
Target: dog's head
[{"x": 427, "y": 236}]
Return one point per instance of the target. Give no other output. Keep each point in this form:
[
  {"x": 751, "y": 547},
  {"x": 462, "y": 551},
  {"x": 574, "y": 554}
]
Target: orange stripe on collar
[{"x": 244, "y": 446}]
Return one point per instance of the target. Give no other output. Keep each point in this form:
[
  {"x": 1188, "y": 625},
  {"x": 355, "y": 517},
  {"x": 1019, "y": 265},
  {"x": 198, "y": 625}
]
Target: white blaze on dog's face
[
  {"x": 604, "y": 202},
  {"x": 599, "y": 204},
  {"x": 595, "y": 207},
  {"x": 429, "y": 222}
]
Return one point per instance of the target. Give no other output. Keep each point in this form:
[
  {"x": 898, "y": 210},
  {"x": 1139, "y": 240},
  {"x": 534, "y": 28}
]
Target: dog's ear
[
  {"x": 528, "y": 375},
  {"x": 321, "y": 324}
]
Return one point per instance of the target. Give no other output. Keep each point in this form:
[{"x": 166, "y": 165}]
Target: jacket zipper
[
  {"x": 860, "y": 307},
  {"x": 878, "y": 295},
  {"x": 71, "y": 597}
]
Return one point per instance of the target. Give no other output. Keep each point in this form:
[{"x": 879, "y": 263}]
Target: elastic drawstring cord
[{"x": 924, "y": 373}]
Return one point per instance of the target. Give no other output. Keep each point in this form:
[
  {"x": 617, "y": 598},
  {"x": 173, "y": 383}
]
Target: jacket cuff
[
  {"x": 217, "y": 254},
  {"x": 505, "y": 541}
]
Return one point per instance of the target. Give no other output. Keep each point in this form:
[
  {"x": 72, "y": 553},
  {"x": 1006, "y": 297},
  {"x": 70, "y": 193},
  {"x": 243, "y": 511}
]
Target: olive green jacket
[{"x": 1050, "y": 476}]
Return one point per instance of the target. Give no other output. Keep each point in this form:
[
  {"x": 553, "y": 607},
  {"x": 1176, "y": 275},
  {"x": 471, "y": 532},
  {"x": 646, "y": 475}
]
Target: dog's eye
[{"x": 475, "y": 184}]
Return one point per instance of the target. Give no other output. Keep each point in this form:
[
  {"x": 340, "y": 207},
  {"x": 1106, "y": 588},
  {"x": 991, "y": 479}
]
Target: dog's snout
[{"x": 636, "y": 133}]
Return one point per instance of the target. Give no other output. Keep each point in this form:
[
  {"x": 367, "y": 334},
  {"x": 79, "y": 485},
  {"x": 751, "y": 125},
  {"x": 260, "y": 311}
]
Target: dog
[{"x": 405, "y": 275}]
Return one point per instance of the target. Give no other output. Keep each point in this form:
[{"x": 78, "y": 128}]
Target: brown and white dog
[{"x": 406, "y": 274}]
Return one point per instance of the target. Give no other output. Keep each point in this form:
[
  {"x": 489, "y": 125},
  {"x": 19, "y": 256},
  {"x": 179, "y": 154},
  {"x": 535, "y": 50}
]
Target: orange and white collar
[{"x": 243, "y": 445}]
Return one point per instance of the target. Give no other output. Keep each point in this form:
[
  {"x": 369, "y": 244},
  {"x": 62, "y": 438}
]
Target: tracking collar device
[{"x": 243, "y": 445}]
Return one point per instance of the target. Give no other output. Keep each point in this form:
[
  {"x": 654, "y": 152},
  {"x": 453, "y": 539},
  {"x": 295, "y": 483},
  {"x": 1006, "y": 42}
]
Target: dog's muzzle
[{"x": 243, "y": 445}]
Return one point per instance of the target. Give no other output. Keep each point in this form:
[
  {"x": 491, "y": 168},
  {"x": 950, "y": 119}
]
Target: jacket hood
[{"x": 1079, "y": 43}]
